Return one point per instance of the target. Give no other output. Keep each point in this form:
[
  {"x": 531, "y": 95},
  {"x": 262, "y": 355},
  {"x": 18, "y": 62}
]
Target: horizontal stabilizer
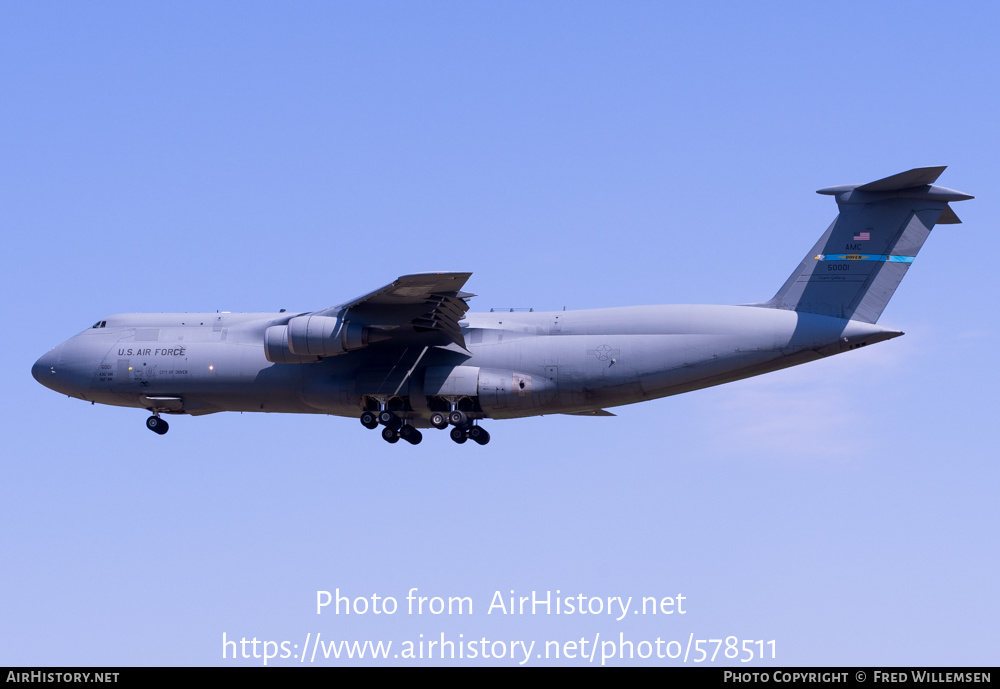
[{"x": 904, "y": 180}]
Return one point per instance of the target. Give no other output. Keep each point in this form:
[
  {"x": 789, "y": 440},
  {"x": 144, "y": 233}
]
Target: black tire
[
  {"x": 479, "y": 434},
  {"x": 458, "y": 435},
  {"x": 157, "y": 425},
  {"x": 390, "y": 435},
  {"x": 458, "y": 418},
  {"x": 390, "y": 420},
  {"x": 411, "y": 435},
  {"x": 439, "y": 420},
  {"x": 369, "y": 420}
]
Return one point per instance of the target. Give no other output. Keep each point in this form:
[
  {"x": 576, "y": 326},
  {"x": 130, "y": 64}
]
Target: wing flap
[{"x": 419, "y": 309}]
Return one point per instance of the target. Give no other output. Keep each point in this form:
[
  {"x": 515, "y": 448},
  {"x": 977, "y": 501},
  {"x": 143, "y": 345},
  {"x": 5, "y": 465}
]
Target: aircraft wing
[{"x": 423, "y": 308}]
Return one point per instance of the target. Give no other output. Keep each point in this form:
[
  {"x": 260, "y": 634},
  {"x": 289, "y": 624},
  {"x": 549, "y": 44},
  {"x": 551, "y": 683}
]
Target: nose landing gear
[{"x": 157, "y": 425}]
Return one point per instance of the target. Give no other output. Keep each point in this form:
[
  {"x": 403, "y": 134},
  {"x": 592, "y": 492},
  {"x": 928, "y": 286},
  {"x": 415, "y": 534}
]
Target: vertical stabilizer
[{"x": 856, "y": 265}]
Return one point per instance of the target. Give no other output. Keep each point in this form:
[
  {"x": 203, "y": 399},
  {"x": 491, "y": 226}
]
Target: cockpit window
[{"x": 99, "y": 324}]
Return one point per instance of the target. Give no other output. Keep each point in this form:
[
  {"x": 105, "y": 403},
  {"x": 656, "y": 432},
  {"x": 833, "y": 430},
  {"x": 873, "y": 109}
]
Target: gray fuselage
[{"x": 516, "y": 364}]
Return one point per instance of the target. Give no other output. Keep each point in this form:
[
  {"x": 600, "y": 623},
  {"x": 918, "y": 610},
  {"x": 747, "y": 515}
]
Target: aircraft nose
[{"x": 46, "y": 369}]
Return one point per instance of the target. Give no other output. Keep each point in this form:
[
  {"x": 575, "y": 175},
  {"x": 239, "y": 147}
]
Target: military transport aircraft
[{"x": 408, "y": 355}]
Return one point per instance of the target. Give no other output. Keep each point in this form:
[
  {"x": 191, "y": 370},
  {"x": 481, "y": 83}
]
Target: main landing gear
[
  {"x": 467, "y": 431},
  {"x": 395, "y": 429},
  {"x": 157, "y": 425}
]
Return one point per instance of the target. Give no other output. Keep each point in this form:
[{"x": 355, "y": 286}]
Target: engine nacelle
[
  {"x": 315, "y": 336},
  {"x": 307, "y": 339},
  {"x": 276, "y": 347}
]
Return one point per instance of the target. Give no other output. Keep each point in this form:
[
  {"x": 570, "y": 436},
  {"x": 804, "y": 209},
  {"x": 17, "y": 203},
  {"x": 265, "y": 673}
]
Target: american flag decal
[{"x": 862, "y": 236}]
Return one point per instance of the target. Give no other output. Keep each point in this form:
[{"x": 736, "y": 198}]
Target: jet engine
[{"x": 308, "y": 339}]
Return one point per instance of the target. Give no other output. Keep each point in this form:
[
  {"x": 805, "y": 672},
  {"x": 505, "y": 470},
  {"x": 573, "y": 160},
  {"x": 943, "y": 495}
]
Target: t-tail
[{"x": 859, "y": 261}]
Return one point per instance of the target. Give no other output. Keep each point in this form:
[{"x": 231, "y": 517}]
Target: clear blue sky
[{"x": 256, "y": 156}]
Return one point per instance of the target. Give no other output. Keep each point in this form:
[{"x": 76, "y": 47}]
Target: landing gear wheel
[
  {"x": 369, "y": 420},
  {"x": 458, "y": 418},
  {"x": 459, "y": 435},
  {"x": 479, "y": 434},
  {"x": 411, "y": 435},
  {"x": 157, "y": 425},
  {"x": 390, "y": 420},
  {"x": 439, "y": 420},
  {"x": 390, "y": 435}
]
